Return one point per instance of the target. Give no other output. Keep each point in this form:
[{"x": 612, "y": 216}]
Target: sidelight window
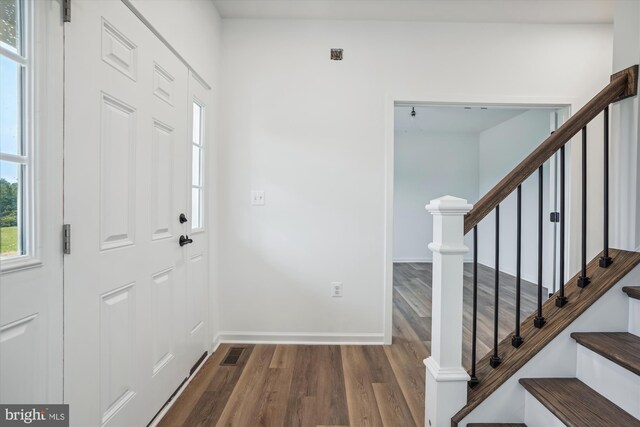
[
  {"x": 16, "y": 160},
  {"x": 197, "y": 166}
]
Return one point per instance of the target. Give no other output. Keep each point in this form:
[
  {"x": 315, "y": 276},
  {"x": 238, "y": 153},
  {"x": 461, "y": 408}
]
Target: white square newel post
[{"x": 446, "y": 379}]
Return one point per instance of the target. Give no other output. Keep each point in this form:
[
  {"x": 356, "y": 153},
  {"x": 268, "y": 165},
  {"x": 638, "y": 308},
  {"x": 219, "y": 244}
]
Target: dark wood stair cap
[
  {"x": 576, "y": 404},
  {"x": 632, "y": 291},
  {"x": 622, "y": 348}
]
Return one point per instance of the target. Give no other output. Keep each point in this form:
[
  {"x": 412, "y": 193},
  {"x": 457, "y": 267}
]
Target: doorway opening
[{"x": 463, "y": 151}]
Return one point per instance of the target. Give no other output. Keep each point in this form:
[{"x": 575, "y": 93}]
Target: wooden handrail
[{"x": 623, "y": 84}]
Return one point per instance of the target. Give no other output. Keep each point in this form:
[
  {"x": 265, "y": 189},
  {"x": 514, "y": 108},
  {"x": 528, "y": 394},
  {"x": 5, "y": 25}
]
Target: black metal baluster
[
  {"x": 474, "y": 380},
  {"x": 605, "y": 260},
  {"x": 539, "y": 321},
  {"x": 584, "y": 280},
  {"x": 495, "y": 359},
  {"x": 517, "y": 340},
  {"x": 561, "y": 300}
]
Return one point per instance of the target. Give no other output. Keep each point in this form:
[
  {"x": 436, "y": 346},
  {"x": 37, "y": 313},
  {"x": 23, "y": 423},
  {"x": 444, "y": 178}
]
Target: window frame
[
  {"x": 195, "y": 100},
  {"x": 26, "y": 160}
]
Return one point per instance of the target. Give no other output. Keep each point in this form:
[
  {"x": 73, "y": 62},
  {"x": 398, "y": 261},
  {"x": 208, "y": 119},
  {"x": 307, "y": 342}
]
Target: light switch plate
[{"x": 257, "y": 197}]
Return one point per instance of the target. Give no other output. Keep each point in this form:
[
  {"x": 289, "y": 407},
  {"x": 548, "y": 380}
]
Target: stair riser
[
  {"x": 634, "y": 316},
  {"x": 611, "y": 380},
  {"x": 536, "y": 415}
]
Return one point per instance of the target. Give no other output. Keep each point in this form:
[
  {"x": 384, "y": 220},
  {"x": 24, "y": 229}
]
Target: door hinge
[
  {"x": 554, "y": 217},
  {"x": 66, "y": 239},
  {"x": 66, "y": 10}
]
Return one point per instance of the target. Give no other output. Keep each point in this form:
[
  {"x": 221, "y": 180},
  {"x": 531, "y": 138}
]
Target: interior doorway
[{"x": 463, "y": 151}]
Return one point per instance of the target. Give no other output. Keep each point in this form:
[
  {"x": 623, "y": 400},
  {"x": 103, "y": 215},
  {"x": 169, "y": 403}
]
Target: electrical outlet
[
  {"x": 336, "y": 289},
  {"x": 257, "y": 197}
]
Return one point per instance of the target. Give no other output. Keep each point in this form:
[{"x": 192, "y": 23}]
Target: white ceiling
[
  {"x": 452, "y": 118},
  {"x": 514, "y": 11}
]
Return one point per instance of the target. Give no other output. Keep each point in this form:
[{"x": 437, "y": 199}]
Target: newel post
[{"x": 446, "y": 379}]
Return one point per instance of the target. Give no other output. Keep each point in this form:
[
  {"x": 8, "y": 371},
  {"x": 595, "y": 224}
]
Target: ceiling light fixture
[{"x": 413, "y": 113}]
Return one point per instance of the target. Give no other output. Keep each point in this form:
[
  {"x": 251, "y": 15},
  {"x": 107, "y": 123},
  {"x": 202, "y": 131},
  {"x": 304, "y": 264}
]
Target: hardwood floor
[
  {"x": 331, "y": 385},
  {"x": 412, "y": 297}
]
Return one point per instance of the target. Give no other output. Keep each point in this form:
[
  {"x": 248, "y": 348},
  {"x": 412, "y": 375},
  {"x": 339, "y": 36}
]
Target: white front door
[
  {"x": 31, "y": 80},
  {"x": 128, "y": 320}
]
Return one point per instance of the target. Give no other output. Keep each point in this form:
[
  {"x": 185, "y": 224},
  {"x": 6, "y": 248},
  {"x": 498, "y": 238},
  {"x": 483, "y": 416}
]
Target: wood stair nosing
[
  {"x": 632, "y": 291},
  {"x": 621, "y": 348},
  {"x": 576, "y": 404},
  {"x": 557, "y": 319}
]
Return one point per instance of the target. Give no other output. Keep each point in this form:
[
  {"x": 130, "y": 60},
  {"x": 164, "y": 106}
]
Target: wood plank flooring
[
  {"x": 339, "y": 386},
  {"x": 412, "y": 298}
]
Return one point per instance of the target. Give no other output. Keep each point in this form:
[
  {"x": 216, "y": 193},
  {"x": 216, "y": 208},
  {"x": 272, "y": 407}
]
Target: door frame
[{"x": 392, "y": 99}]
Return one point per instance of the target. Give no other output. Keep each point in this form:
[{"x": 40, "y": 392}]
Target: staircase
[
  {"x": 606, "y": 389},
  {"x": 576, "y": 360}
]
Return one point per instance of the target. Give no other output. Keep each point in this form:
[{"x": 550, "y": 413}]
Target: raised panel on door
[
  {"x": 118, "y": 51},
  {"x": 19, "y": 340},
  {"x": 197, "y": 298},
  {"x": 162, "y": 294},
  {"x": 162, "y": 200},
  {"x": 117, "y": 350},
  {"x": 117, "y": 172}
]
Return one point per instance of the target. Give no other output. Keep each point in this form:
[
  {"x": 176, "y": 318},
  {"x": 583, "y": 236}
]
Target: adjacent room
[{"x": 464, "y": 150}]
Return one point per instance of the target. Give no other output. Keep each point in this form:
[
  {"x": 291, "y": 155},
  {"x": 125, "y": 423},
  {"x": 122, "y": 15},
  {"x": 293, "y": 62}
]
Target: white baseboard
[
  {"x": 420, "y": 260},
  {"x": 235, "y": 337},
  {"x": 410, "y": 260},
  {"x": 215, "y": 344}
]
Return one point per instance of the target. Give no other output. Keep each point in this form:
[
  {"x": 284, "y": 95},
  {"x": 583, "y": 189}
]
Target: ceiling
[
  {"x": 453, "y": 118},
  {"x": 510, "y": 11}
]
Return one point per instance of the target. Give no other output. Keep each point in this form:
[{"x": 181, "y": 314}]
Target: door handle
[
  {"x": 185, "y": 240},
  {"x": 182, "y": 218}
]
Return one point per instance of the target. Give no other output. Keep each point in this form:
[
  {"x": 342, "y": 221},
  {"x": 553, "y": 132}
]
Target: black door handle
[
  {"x": 182, "y": 218},
  {"x": 185, "y": 240}
]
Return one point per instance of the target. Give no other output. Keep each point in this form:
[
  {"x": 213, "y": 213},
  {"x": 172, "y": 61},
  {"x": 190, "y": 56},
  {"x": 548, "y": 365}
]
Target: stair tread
[
  {"x": 576, "y": 404},
  {"x": 632, "y": 291},
  {"x": 622, "y": 348}
]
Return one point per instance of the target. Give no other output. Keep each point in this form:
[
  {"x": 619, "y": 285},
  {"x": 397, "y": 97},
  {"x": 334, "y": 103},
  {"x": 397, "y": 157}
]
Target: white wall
[
  {"x": 625, "y": 156},
  {"x": 502, "y": 148},
  {"x": 316, "y": 135},
  {"x": 428, "y": 165}
]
